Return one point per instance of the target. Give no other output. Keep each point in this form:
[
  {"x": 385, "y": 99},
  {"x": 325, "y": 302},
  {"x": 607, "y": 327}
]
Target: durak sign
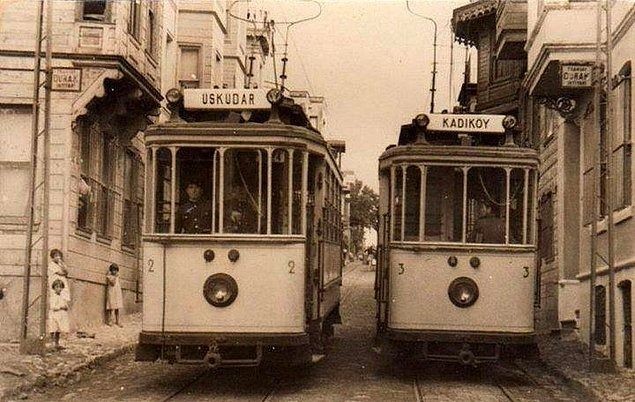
[
  {"x": 66, "y": 79},
  {"x": 466, "y": 123},
  {"x": 225, "y": 99},
  {"x": 576, "y": 76}
]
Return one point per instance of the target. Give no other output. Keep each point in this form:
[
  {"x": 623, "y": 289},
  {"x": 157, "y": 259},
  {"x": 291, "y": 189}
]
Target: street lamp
[{"x": 434, "y": 55}]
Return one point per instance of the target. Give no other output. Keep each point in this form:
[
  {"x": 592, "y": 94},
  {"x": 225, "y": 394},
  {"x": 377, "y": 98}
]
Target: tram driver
[
  {"x": 195, "y": 215},
  {"x": 489, "y": 228}
]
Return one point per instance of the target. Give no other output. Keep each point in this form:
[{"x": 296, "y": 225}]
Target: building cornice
[
  {"x": 537, "y": 68},
  {"x": 214, "y": 14},
  {"x": 624, "y": 25},
  {"x": 97, "y": 60}
]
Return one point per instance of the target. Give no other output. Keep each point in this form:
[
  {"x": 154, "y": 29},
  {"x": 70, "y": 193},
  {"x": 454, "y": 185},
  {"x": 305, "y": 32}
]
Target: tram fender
[{"x": 146, "y": 353}]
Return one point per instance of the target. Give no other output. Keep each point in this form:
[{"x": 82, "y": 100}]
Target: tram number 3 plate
[
  {"x": 526, "y": 274},
  {"x": 402, "y": 269}
]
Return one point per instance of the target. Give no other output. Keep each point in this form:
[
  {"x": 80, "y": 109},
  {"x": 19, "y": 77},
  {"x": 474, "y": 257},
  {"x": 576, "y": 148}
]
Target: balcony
[
  {"x": 499, "y": 96},
  {"x": 511, "y": 30}
]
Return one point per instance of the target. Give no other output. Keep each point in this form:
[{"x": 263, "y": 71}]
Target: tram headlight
[
  {"x": 509, "y": 122},
  {"x": 463, "y": 292},
  {"x": 220, "y": 290},
  {"x": 421, "y": 120},
  {"x": 173, "y": 95}
]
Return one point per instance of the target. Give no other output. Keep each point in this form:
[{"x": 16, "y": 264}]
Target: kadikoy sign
[
  {"x": 466, "y": 123},
  {"x": 225, "y": 99}
]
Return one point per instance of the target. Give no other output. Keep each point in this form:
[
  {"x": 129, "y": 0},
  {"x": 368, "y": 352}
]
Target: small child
[
  {"x": 58, "y": 314},
  {"x": 114, "y": 297},
  {"x": 58, "y": 271}
]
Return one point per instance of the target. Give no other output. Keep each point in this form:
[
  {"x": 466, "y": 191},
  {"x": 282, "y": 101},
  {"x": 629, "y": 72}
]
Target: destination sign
[
  {"x": 466, "y": 123},
  {"x": 225, "y": 99}
]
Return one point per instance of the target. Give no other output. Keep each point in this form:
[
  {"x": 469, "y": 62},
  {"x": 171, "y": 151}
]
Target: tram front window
[
  {"x": 486, "y": 201},
  {"x": 444, "y": 204},
  {"x": 195, "y": 169},
  {"x": 245, "y": 191}
]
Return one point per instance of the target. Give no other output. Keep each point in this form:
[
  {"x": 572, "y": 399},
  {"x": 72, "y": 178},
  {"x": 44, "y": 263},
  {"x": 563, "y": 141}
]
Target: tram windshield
[
  {"x": 227, "y": 190},
  {"x": 462, "y": 204}
]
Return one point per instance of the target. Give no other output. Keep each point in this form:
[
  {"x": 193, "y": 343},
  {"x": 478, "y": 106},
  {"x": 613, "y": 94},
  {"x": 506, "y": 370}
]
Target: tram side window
[
  {"x": 195, "y": 169},
  {"x": 486, "y": 200},
  {"x": 444, "y": 204},
  {"x": 517, "y": 205},
  {"x": 397, "y": 203},
  {"x": 280, "y": 192},
  {"x": 163, "y": 191},
  {"x": 297, "y": 192},
  {"x": 245, "y": 191},
  {"x": 413, "y": 203}
]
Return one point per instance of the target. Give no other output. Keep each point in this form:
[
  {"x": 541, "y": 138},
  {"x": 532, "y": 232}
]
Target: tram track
[{"x": 186, "y": 386}]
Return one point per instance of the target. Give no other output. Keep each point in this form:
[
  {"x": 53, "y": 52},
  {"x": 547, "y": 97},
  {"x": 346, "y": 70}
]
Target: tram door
[{"x": 313, "y": 241}]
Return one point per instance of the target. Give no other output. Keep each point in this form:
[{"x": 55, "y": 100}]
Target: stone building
[{"x": 116, "y": 50}]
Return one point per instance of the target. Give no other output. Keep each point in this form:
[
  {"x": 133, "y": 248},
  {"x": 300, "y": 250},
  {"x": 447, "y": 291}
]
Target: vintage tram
[
  {"x": 242, "y": 240},
  {"x": 457, "y": 270}
]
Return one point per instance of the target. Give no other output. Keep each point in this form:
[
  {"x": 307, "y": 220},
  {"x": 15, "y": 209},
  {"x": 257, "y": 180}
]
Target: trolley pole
[
  {"x": 433, "y": 88},
  {"x": 26, "y": 288}
]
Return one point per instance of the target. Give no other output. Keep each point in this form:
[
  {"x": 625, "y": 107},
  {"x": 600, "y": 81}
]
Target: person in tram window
[
  {"x": 490, "y": 227},
  {"x": 195, "y": 215},
  {"x": 240, "y": 211}
]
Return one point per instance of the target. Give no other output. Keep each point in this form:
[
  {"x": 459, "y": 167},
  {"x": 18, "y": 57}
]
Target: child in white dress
[
  {"x": 58, "y": 312},
  {"x": 57, "y": 270},
  {"x": 114, "y": 297}
]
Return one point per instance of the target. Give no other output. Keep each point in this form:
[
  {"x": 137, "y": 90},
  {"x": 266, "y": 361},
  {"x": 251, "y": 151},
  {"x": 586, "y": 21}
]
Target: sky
[{"x": 372, "y": 61}]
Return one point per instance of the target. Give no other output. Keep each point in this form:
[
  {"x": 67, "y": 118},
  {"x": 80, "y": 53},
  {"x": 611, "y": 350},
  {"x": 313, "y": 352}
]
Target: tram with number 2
[
  {"x": 242, "y": 243},
  {"x": 457, "y": 268}
]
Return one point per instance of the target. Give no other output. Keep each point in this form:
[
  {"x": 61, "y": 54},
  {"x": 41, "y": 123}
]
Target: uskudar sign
[
  {"x": 225, "y": 99},
  {"x": 467, "y": 123}
]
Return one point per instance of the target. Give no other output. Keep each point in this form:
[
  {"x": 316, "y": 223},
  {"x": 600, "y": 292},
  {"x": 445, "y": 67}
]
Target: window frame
[
  {"x": 131, "y": 195},
  {"x": 134, "y": 19},
  {"x": 199, "y": 71},
  {"x": 397, "y": 211},
  {"x": 80, "y": 15},
  {"x": 218, "y": 195}
]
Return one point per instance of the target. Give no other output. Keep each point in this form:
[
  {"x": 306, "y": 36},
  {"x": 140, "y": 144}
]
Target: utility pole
[
  {"x": 610, "y": 199},
  {"x": 27, "y": 346}
]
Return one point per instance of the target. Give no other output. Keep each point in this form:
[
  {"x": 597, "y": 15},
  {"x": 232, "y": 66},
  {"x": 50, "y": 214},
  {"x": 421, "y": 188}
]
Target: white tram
[
  {"x": 457, "y": 269},
  {"x": 242, "y": 240}
]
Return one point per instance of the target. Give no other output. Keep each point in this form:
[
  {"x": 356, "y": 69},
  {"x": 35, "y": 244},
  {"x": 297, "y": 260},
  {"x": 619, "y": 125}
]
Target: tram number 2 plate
[
  {"x": 291, "y": 265},
  {"x": 150, "y": 265}
]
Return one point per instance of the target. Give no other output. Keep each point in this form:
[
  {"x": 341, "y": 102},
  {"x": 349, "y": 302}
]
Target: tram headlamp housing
[
  {"x": 173, "y": 96},
  {"x": 509, "y": 122},
  {"x": 463, "y": 292},
  {"x": 421, "y": 120},
  {"x": 220, "y": 290},
  {"x": 274, "y": 96}
]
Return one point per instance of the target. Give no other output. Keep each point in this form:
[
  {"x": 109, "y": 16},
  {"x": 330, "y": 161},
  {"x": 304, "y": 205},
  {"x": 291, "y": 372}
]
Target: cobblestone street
[{"x": 351, "y": 372}]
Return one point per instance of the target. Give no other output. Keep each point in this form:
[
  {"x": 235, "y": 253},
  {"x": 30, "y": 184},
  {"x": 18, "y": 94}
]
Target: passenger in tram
[
  {"x": 489, "y": 228},
  {"x": 195, "y": 215},
  {"x": 239, "y": 216}
]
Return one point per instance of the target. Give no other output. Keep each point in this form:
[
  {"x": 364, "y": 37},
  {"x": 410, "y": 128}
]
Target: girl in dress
[
  {"x": 114, "y": 297},
  {"x": 58, "y": 312},
  {"x": 58, "y": 271}
]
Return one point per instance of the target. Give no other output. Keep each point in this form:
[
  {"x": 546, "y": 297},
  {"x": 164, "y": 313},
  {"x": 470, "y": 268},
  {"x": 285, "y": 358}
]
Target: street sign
[
  {"x": 66, "y": 79},
  {"x": 576, "y": 76},
  {"x": 466, "y": 123},
  {"x": 225, "y": 99}
]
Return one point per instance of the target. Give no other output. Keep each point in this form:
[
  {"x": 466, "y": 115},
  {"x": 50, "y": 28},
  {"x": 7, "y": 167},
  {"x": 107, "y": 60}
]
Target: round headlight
[
  {"x": 220, "y": 290},
  {"x": 422, "y": 120},
  {"x": 274, "y": 96},
  {"x": 463, "y": 292},
  {"x": 509, "y": 122},
  {"x": 173, "y": 95}
]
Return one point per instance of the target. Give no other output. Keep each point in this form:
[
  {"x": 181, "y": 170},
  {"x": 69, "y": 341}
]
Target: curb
[{"x": 61, "y": 378}]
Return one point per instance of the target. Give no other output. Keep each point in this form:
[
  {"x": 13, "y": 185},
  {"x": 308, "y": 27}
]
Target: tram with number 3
[
  {"x": 242, "y": 241},
  {"x": 457, "y": 253}
]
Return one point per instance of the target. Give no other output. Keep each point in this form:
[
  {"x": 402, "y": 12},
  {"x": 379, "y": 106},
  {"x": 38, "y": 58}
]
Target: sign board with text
[
  {"x": 576, "y": 75},
  {"x": 225, "y": 99},
  {"x": 64, "y": 79},
  {"x": 466, "y": 123}
]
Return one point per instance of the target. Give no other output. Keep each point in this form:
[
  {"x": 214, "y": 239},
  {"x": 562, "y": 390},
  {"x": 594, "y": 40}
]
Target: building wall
[{"x": 105, "y": 51}]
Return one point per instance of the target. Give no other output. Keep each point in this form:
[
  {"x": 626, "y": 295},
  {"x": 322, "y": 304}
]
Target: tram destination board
[
  {"x": 225, "y": 99},
  {"x": 467, "y": 123}
]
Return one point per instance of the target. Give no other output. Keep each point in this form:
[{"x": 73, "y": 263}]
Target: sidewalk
[
  {"x": 22, "y": 373},
  {"x": 569, "y": 358}
]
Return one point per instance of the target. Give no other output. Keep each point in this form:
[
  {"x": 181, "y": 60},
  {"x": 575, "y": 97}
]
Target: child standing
[
  {"x": 58, "y": 312},
  {"x": 114, "y": 297},
  {"x": 58, "y": 271}
]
